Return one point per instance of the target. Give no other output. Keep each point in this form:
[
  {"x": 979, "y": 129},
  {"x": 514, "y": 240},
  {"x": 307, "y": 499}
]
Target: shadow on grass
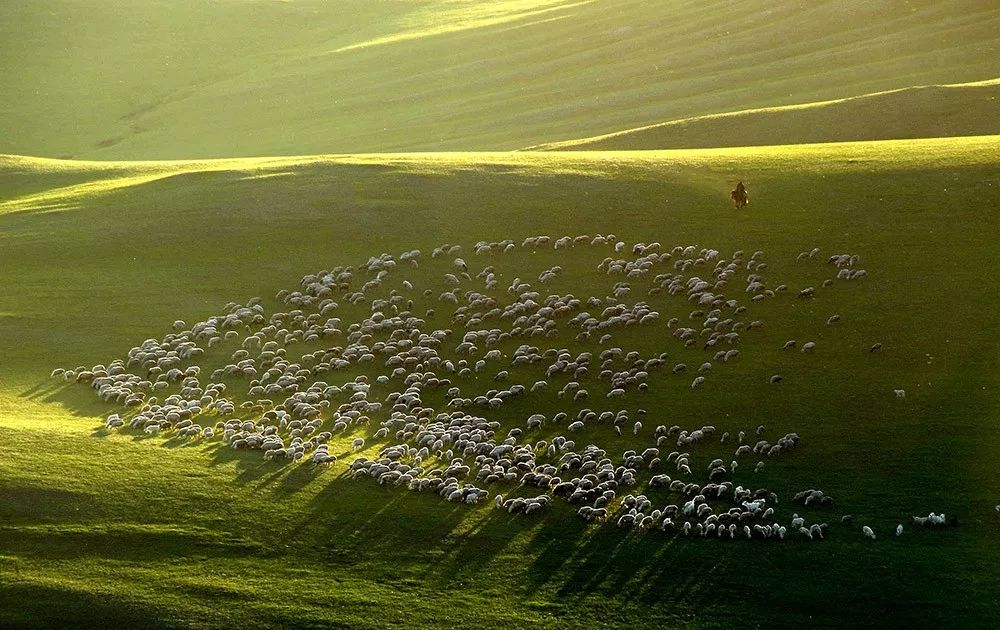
[
  {"x": 126, "y": 542},
  {"x": 35, "y": 502},
  {"x": 77, "y": 399},
  {"x": 347, "y": 522},
  {"x": 470, "y": 551},
  {"x": 27, "y": 605}
]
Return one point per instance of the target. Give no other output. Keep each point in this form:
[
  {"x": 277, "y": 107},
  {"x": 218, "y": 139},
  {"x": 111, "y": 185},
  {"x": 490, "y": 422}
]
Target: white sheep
[{"x": 868, "y": 533}]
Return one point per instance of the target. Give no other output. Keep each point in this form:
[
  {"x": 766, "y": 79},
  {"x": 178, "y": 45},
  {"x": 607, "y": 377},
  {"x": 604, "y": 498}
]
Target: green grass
[
  {"x": 188, "y": 79},
  {"x": 102, "y": 529},
  {"x": 933, "y": 111}
]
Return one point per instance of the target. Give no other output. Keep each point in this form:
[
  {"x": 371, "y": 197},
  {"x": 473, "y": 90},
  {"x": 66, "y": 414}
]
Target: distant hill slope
[
  {"x": 185, "y": 78},
  {"x": 930, "y": 111}
]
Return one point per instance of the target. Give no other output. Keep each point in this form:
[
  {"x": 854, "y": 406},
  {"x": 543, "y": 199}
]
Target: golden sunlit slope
[
  {"x": 185, "y": 78},
  {"x": 919, "y": 112}
]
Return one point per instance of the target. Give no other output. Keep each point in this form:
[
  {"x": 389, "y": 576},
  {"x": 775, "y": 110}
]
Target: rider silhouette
[{"x": 740, "y": 196}]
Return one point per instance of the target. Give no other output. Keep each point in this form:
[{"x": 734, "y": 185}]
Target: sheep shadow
[
  {"x": 347, "y": 522},
  {"x": 582, "y": 560},
  {"x": 77, "y": 400},
  {"x": 472, "y": 549}
]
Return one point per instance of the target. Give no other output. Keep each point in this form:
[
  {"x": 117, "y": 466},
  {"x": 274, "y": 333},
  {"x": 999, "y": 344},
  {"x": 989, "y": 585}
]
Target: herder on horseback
[{"x": 740, "y": 196}]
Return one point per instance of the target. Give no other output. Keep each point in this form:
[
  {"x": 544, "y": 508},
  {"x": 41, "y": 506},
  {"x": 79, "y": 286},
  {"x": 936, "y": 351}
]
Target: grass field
[
  {"x": 101, "y": 528},
  {"x": 180, "y": 79},
  {"x": 161, "y": 159},
  {"x": 933, "y": 111}
]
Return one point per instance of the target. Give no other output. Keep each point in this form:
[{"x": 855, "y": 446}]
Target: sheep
[
  {"x": 899, "y": 529},
  {"x": 868, "y": 532},
  {"x": 388, "y": 330},
  {"x": 900, "y": 393}
]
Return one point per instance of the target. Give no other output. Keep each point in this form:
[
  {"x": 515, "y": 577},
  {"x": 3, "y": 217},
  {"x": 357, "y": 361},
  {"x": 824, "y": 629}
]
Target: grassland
[
  {"x": 932, "y": 111},
  {"x": 403, "y": 125},
  {"x": 101, "y": 529},
  {"x": 188, "y": 79}
]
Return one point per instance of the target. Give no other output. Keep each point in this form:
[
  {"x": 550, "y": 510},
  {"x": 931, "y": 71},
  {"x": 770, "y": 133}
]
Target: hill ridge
[{"x": 642, "y": 137}]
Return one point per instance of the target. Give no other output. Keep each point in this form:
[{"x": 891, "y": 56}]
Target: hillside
[
  {"x": 108, "y": 528},
  {"x": 190, "y": 79},
  {"x": 918, "y": 112}
]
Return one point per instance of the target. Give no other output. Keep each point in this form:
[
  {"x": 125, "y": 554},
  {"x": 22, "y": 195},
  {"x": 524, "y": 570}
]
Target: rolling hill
[
  {"x": 111, "y": 528},
  {"x": 932, "y": 111},
  {"x": 163, "y": 163},
  {"x": 188, "y": 79}
]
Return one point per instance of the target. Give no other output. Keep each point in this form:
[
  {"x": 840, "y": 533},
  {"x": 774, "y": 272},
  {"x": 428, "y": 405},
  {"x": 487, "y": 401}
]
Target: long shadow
[
  {"x": 555, "y": 543},
  {"x": 77, "y": 399},
  {"x": 43, "y": 388},
  {"x": 648, "y": 568},
  {"x": 348, "y": 522},
  {"x": 471, "y": 551}
]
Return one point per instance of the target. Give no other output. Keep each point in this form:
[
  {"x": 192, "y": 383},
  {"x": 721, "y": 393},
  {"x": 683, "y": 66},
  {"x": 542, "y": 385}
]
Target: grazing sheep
[
  {"x": 867, "y": 532},
  {"x": 387, "y": 368}
]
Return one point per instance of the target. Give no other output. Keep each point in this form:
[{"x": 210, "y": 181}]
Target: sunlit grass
[
  {"x": 913, "y": 112},
  {"x": 452, "y": 16},
  {"x": 193, "y": 80}
]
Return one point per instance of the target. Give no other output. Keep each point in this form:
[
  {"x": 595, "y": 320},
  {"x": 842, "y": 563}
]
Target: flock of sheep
[{"x": 432, "y": 381}]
